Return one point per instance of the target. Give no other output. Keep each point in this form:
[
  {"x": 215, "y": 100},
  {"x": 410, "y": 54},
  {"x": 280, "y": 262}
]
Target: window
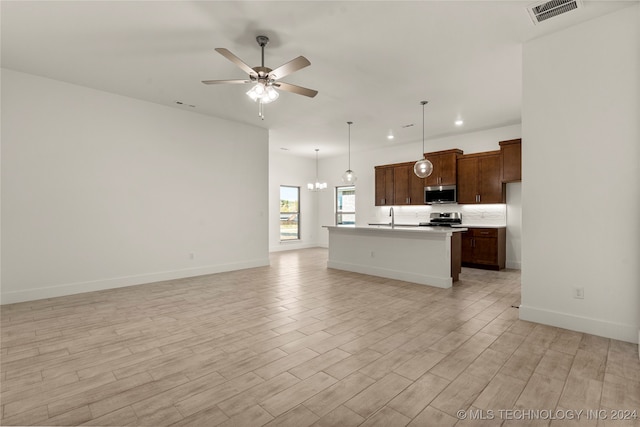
[
  {"x": 289, "y": 213},
  {"x": 346, "y": 205}
]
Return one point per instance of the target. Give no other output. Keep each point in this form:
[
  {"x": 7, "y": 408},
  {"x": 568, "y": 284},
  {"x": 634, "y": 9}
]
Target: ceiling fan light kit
[
  {"x": 263, "y": 94},
  {"x": 423, "y": 167},
  {"x": 265, "y": 79}
]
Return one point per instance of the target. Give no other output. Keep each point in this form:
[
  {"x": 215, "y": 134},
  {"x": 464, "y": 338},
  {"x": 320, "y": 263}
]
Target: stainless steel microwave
[{"x": 440, "y": 194}]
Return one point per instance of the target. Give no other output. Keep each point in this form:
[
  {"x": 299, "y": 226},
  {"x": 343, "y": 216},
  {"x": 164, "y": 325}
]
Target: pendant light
[
  {"x": 317, "y": 186},
  {"x": 423, "y": 167},
  {"x": 349, "y": 177}
]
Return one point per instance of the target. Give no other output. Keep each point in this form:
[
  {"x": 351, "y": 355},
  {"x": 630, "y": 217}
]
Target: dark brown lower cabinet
[
  {"x": 484, "y": 248},
  {"x": 456, "y": 256}
]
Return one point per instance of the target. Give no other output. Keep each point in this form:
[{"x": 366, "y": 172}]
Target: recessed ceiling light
[
  {"x": 390, "y": 134},
  {"x": 459, "y": 122}
]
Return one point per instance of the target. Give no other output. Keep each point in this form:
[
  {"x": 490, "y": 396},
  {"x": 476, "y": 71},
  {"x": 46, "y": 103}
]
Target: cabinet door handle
[
  {"x": 484, "y": 232},
  {"x": 408, "y": 200},
  {"x": 383, "y": 201}
]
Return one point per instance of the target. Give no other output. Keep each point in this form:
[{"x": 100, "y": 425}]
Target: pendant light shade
[
  {"x": 423, "y": 167},
  {"x": 349, "y": 177},
  {"x": 316, "y": 186}
]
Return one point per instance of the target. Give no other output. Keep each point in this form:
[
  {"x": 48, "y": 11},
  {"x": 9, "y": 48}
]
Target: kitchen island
[{"x": 423, "y": 255}]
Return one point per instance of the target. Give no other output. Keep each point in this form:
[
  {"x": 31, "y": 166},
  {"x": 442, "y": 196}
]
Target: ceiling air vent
[{"x": 542, "y": 11}]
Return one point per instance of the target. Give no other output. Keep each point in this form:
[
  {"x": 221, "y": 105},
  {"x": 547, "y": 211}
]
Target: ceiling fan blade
[
  {"x": 239, "y": 62},
  {"x": 215, "y": 82},
  {"x": 288, "y": 68},
  {"x": 296, "y": 89}
]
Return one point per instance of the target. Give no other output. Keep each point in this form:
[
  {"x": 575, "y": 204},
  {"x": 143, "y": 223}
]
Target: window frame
[
  {"x": 337, "y": 211},
  {"x": 298, "y": 213}
]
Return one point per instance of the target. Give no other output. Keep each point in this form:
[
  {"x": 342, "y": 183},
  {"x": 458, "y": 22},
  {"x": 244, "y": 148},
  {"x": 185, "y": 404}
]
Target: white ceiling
[{"x": 372, "y": 62}]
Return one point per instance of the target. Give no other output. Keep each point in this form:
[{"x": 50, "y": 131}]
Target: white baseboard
[
  {"x": 516, "y": 265},
  {"x": 119, "y": 282},
  {"x": 438, "y": 282},
  {"x": 290, "y": 246},
  {"x": 602, "y": 328}
]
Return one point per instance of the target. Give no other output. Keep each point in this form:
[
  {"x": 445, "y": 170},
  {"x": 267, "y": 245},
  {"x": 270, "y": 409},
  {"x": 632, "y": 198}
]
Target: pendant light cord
[
  {"x": 423, "y": 104},
  {"x": 349, "y": 123}
]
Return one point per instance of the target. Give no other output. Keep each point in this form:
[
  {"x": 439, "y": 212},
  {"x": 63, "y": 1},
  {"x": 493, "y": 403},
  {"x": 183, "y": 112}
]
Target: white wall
[
  {"x": 363, "y": 162},
  {"x": 285, "y": 169},
  {"x": 101, "y": 191},
  {"x": 514, "y": 225},
  {"x": 581, "y": 161}
]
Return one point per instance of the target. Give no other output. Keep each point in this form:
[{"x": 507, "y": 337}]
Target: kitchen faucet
[{"x": 392, "y": 215}]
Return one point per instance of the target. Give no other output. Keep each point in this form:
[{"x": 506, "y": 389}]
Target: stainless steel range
[{"x": 443, "y": 219}]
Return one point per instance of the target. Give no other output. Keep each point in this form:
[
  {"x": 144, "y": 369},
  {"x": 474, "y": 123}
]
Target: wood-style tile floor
[{"x": 297, "y": 344}]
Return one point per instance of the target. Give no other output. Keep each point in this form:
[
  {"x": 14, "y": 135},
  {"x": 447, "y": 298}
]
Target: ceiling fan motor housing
[
  {"x": 262, "y": 40},
  {"x": 263, "y": 72}
]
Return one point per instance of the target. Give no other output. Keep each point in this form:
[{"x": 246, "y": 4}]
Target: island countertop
[
  {"x": 406, "y": 228},
  {"x": 480, "y": 226}
]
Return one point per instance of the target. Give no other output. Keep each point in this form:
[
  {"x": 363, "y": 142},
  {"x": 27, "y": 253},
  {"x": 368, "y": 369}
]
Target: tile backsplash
[
  {"x": 495, "y": 215},
  {"x": 484, "y": 214}
]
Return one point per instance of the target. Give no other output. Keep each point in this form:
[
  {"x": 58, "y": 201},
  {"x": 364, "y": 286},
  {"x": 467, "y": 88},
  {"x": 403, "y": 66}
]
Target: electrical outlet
[
  {"x": 373, "y": 254},
  {"x": 578, "y": 293},
  {"x": 192, "y": 255}
]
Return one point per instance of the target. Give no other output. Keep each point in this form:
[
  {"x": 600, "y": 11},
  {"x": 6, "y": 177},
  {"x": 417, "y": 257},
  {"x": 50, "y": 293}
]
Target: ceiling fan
[{"x": 265, "y": 78}]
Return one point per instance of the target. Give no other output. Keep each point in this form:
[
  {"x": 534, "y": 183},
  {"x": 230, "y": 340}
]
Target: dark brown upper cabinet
[
  {"x": 511, "y": 160},
  {"x": 480, "y": 178},
  {"x": 444, "y": 167},
  {"x": 397, "y": 185},
  {"x": 408, "y": 188},
  {"x": 384, "y": 186}
]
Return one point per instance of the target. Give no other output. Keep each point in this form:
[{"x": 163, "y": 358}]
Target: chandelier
[{"x": 316, "y": 186}]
